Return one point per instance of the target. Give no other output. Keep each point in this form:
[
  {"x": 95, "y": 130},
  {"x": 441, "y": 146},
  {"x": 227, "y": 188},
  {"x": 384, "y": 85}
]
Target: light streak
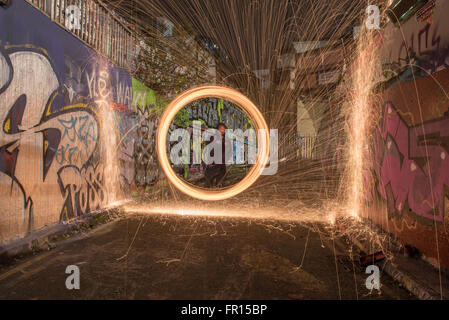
[
  {"x": 298, "y": 215},
  {"x": 218, "y": 92},
  {"x": 360, "y": 116}
]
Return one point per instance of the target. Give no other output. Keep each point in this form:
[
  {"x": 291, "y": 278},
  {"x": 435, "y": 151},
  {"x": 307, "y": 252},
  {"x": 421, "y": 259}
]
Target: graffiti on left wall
[
  {"x": 50, "y": 154},
  {"x": 69, "y": 124}
]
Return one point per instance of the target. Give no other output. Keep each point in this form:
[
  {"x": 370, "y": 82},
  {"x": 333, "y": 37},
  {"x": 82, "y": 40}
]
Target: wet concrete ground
[{"x": 184, "y": 257}]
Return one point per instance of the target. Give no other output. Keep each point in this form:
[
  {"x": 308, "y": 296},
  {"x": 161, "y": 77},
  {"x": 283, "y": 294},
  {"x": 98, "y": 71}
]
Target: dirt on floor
[{"x": 186, "y": 257}]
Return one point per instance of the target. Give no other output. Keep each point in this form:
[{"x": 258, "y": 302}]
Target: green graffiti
[
  {"x": 182, "y": 118},
  {"x": 144, "y": 97},
  {"x": 220, "y": 107}
]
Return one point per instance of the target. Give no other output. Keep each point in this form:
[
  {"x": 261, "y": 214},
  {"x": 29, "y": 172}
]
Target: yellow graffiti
[
  {"x": 65, "y": 108},
  {"x": 403, "y": 222},
  {"x": 428, "y": 203},
  {"x": 28, "y": 46},
  {"x": 66, "y": 215},
  {"x": 7, "y": 126},
  {"x": 74, "y": 106},
  {"x": 50, "y": 103},
  {"x": 404, "y": 114}
]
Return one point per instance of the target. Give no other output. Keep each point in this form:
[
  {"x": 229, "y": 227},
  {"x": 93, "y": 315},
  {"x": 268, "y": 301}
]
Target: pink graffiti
[{"x": 412, "y": 164}]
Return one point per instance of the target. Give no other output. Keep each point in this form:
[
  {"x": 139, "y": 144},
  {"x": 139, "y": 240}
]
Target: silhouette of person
[{"x": 216, "y": 172}]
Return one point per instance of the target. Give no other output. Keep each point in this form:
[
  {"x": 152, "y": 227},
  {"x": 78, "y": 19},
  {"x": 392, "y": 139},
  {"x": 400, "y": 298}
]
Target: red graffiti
[{"x": 119, "y": 107}]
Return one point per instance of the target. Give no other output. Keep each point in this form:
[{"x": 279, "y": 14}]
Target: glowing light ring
[{"x": 235, "y": 97}]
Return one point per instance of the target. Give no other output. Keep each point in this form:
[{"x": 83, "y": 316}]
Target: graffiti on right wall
[
  {"x": 411, "y": 165},
  {"x": 419, "y": 48}
]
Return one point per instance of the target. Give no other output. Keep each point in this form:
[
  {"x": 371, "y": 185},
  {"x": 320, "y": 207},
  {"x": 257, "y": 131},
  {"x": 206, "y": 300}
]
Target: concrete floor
[{"x": 182, "y": 257}]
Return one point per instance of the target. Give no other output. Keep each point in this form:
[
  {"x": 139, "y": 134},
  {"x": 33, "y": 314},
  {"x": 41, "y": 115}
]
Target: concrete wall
[
  {"x": 56, "y": 150},
  {"x": 408, "y": 176}
]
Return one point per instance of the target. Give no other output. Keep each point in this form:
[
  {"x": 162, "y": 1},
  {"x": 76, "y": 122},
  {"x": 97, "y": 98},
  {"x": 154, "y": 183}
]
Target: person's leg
[
  {"x": 214, "y": 176},
  {"x": 221, "y": 176},
  {"x": 208, "y": 177}
]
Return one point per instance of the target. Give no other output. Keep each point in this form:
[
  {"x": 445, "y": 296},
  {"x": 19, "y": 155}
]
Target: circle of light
[{"x": 237, "y": 98}]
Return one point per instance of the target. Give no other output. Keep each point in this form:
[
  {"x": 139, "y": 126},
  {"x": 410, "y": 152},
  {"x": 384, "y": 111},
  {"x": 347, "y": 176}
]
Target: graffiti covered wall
[
  {"x": 407, "y": 177},
  {"x": 420, "y": 47},
  {"x": 68, "y": 124},
  {"x": 149, "y": 106}
]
